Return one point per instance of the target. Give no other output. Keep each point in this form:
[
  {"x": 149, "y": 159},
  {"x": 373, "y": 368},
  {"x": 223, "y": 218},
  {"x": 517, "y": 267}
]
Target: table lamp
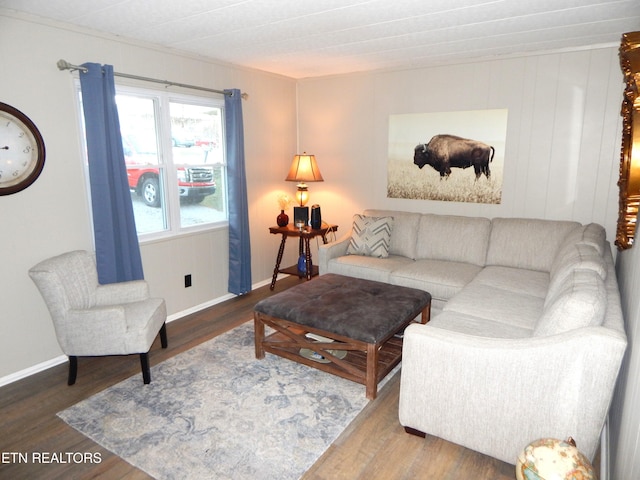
[{"x": 304, "y": 168}]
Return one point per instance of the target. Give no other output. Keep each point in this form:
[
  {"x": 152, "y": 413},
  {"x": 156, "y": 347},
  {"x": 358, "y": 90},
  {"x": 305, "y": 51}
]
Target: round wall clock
[{"x": 21, "y": 150}]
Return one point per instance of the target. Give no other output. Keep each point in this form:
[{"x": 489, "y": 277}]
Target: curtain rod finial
[{"x": 63, "y": 64}]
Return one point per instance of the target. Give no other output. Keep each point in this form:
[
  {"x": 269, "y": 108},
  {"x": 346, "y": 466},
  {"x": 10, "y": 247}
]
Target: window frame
[{"x": 162, "y": 100}]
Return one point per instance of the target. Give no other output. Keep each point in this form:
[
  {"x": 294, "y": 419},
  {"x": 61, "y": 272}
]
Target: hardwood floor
[{"x": 374, "y": 446}]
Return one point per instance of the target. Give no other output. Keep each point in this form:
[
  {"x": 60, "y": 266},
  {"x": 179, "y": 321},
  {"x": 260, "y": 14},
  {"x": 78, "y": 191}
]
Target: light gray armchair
[{"x": 92, "y": 319}]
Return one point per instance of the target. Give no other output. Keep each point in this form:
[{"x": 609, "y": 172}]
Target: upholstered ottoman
[{"x": 342, "y": 325}]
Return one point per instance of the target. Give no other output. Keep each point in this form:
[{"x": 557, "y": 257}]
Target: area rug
[{"x": 216, "y": 411}]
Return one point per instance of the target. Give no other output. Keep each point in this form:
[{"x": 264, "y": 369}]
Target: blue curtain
[
  {"x": 117, "y": 249},
  {"x": 239, "y": 242}
]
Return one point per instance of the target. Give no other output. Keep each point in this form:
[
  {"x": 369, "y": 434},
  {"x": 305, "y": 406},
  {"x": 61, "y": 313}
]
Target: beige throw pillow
[{"x": 370, "y": 236}]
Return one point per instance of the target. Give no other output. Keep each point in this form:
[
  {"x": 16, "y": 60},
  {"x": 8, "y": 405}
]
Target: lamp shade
[{"x": 304, "y": 169}]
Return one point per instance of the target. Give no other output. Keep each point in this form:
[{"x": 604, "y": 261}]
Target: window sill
[{"x": 162, "y": 237}]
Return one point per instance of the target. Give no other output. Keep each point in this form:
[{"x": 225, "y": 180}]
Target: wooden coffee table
[{"x": 346, "y": 326}]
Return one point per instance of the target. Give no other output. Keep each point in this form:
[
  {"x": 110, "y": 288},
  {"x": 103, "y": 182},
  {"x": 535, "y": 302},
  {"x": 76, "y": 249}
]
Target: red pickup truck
[{"x": 194, "y": 183}]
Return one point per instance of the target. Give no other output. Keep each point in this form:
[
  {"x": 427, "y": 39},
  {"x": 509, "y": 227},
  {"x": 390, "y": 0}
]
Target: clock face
[{"x": 21, "y": 150}]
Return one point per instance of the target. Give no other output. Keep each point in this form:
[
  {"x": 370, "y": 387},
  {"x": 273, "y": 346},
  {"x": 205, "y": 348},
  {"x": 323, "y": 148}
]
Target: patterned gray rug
[{"x": 216, "y": 412}]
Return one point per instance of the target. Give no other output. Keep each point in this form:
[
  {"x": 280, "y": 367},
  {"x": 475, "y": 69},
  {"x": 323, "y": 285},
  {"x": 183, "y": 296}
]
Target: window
[{"x": 175, "y": 157}]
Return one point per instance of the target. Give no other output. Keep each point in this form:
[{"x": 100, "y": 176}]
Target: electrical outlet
[{"x": 187, "y": 281}]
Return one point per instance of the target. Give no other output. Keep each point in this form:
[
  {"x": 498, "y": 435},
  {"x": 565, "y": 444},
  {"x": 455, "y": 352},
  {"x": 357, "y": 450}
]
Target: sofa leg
[
  {"x": 163, "y": 335},
  {"x": 146, "y": 373},
  {"x": 415, "y": 432},
  {"x": 73, "y": 369}
]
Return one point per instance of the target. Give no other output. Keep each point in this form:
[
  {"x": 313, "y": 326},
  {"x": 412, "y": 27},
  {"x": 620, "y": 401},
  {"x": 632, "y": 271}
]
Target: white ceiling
[{"x": 308, "y": 38}]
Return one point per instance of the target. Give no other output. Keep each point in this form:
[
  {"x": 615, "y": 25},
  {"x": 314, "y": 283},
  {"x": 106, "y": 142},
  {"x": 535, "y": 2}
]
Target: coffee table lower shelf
[{"x": 364, "y": 363}]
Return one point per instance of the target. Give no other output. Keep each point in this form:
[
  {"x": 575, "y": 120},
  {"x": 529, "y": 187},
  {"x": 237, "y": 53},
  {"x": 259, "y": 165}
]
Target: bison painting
[{"x": 444, "y": 152}]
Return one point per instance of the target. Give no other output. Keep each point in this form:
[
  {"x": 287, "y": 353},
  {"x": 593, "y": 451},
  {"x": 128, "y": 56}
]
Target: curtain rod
[{"x": 64, "y": 65}]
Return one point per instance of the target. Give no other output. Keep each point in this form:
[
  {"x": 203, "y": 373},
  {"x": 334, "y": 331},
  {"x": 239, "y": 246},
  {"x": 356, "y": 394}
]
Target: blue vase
[{"x": 302, "y": 265}]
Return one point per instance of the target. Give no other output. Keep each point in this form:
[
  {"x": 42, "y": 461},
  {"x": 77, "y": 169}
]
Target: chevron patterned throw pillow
[{"x": 370, "y": 236}]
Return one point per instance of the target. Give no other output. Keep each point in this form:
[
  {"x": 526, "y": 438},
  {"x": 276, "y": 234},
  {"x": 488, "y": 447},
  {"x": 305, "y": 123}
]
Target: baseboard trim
[
  {"x": 215, "y": 301},
  {"x": 19, "y": 375},
  {"x": 14, "y": 377}
]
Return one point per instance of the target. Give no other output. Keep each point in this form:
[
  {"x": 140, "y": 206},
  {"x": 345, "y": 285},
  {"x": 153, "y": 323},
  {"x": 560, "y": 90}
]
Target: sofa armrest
[
  {"x": 497, "y": 395},
  {"x": 332, "y": 250}
]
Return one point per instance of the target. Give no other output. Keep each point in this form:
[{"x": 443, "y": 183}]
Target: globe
[{"x": 553, "y": 459}]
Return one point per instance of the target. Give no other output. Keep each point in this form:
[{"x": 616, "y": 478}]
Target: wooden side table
[{"x": 305, "y": 235}]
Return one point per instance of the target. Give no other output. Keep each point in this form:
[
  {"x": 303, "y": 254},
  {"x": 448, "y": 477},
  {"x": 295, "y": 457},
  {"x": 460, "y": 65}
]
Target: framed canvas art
[{"x": 447, "y": 156}]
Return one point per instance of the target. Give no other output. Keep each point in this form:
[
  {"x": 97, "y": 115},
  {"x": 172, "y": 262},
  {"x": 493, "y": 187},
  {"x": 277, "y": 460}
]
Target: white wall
[
  {"x": 625, "y": 414},
  {"x": 562, "y": 146},
  {"x": 52, "y": 216}
]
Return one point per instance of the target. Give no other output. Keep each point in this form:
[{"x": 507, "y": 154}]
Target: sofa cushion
[
  {"x": 453, "y": 238},
  {"x": 526, "y": 243},
  {"x": 370, "y": 236},
  {"x": 478, "y": 327},
  {"x": 577, "y": 256},
  {"x": 500, "y": 306},
  {"x": 518, "y": 280},
  {"x": 442, "y": 279},
  {"x": 581, "y": 302},
  {"x": 405, "y": 231},
  {"x": 591, "y": 234},
  {"x": 368, "y": 268}
]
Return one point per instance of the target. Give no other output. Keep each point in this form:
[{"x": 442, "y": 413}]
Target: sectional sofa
[{"x": 527, "y": 334}]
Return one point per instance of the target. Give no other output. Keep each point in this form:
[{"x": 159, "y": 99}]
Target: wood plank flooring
[{"x": 374, "y": 446}]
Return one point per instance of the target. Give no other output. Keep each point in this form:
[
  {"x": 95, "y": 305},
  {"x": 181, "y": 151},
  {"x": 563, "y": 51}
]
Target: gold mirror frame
[{"x": 629, "y": 182}]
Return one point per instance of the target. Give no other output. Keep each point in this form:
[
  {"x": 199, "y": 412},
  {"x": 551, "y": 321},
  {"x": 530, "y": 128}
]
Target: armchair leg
[
  {"x": 73, "y": 369},
  {"x": 146, "y": 372},
  {"x": 163, "y": 335}
]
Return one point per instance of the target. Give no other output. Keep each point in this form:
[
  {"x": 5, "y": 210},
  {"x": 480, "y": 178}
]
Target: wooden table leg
[
  {"x": 307, "y": 258},
  {"x": 258, "y": 328},
  {"x": 278, "y": 260},
  {"x": 426, "y": 313},
  {"x": 300, "y": 254},
  {"x": 371, "y": 382}
]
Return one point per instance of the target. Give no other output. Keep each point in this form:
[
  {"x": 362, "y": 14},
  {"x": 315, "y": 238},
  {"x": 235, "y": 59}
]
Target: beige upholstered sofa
[{"x": 526, "y": 337}]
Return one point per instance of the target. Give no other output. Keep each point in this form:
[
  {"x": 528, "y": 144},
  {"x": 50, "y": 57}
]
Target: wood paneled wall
[
  {"x": 624, "y": 416},
  {"x": 562, "y": 145}
]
